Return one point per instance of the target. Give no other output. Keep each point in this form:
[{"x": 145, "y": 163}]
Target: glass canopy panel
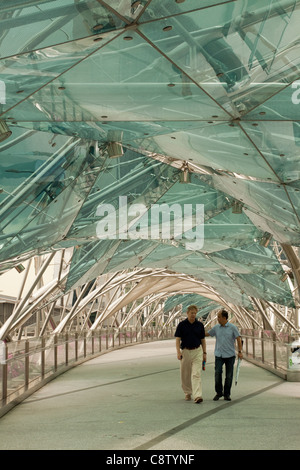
[
  {"x": 129, "y": 9},
  {"x": 89, "y": 261},
  {"x": 266, "y": 199},
  {"x": 131, "y": 131},
  {"x": 171, "y": 256},
  {"x": 181, "y": 208},
  {"x": 215, "y": 62},
  {"x": 23, "y": 79},
  {"x": 130, "y": 254},
  {"x": 276, "y": 141},
  {"x": 125, "y": 189},
  {"x": 266, "y": 287},
  {"x": 233, "y": 50},
  {"x": 38, "y": 24},
  {"x": 22, "y": 154},
  {"x": 228, "y": 230},
  {"x": 219, "y": 146},
  {"x": 53, "y": 172},
  {"x": 280, "y": 233},
  {"x": 197, "y": 192},
  {"x": 51, "y": 218},
  {"x": 194, "y": 265},
  {"x": 127, "y": 80},
  {"x": 158, "y": 9},
  {"x": 294, "y": 196},
  {"x": 248, "y": 259},
  {"x": 226, "y": 287},
  {"x": 283, "y": 106},
  {"x": 204, "y": 305}
]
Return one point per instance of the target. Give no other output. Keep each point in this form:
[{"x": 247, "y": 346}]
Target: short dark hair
[
  {"x": 192, "y": 307},
  {"x": 224, "y": 313}
]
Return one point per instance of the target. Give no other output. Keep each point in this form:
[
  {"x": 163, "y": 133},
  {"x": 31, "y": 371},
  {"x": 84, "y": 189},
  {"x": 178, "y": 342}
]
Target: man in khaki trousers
[{"x": 191, "y": 351}]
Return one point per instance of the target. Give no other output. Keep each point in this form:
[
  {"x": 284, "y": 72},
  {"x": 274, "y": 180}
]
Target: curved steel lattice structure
[{"x": 149, "y": 159}]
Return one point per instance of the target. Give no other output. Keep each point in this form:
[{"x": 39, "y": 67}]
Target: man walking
[
  {"x": 226, "y": 334},
  {"x": 191, "y": 350}
]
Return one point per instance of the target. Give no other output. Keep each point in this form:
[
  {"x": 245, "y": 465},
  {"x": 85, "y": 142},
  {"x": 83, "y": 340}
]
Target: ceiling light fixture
[
  {"x": 4, "y": 131},
  {"x": 265, "y": 240},
  {"x": 97, "y": 27},
  {"x": 19, "y": 268},
  {"x": 284, "y": 277},
  {"x": 237, "y": 207},
  {"x": 114, "y": 149},
  {"x": 185, "y": 176}
]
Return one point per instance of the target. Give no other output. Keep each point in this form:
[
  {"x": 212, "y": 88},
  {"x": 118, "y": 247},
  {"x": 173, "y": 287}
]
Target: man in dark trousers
[
  {"x": 191, "y": 350},
  {"x": 226, "y": 334}
]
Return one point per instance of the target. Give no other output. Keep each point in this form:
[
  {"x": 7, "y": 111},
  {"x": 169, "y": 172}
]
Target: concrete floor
[{"x": 131, "y": 399}]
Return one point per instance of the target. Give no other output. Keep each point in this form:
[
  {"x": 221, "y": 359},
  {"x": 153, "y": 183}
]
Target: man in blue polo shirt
[
  {"x": 191, "y": 349},
  {"x": 226, "y": 334}
]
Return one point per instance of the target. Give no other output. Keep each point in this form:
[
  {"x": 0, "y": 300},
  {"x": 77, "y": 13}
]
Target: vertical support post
[
  {"x": 42, "y": 358},
  {"x": 66, "y": 349},
  {"x": 84, "y": 344},
  {"x": 55, "y": 353},
  {"x": 76, "y": 346},
  {"x": 93, "y": 342},
  {"x": 4, "y": 366},
  {"x": 262, "y": 347},
  {"x": 26, "y": 364},
  {"x": 274, "y": 350}
]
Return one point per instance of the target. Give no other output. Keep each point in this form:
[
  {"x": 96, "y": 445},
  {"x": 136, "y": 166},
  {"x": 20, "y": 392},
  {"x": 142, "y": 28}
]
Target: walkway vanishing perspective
[{"x": 131, "y": 399}]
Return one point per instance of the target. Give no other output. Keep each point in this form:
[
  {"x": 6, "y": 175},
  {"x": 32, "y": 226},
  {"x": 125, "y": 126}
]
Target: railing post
[
  {"x": 55, "y": 353},
  {"x": 42, "y": 358},
  {"x": 26, "y": 364},
  {"x": 67, "y": 349},
  {"x": 4, "y": 374},
  {"x": 76, "y": 346},
  {"x": 84, "y": 344},
  {"x": 274, "y": 350}
]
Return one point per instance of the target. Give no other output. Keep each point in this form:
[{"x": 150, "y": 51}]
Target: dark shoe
[
  {"x": 216, "y": 398},
  {"x": 198, "y": 400},
  {"x": 227, "y": 398}
]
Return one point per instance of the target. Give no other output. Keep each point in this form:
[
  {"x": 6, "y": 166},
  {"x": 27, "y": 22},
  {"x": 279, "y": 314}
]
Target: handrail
[
  {"x": 274, "y": 351},
  {"x": 29, "y": 364}
]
